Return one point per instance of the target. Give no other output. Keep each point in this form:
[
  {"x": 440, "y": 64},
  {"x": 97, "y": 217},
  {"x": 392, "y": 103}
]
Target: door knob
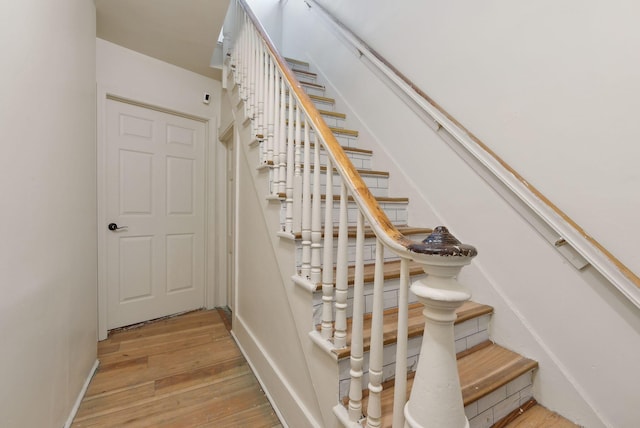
[{"x": 114, "y": 227}]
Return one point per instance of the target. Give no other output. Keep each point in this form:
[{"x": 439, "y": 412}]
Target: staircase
[{"x": 496, "y": 384}]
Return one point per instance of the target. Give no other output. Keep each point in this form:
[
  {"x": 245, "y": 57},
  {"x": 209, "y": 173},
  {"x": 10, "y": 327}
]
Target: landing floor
[{"x": 184, "y": 371}]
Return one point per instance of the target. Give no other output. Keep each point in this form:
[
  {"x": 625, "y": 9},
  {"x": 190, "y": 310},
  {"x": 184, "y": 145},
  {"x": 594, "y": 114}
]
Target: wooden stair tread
[
  {"x": 322, "y": 99},
  {"x": 329, "y": 113},
  {"x": 415, "y": 324},
  {"x": 391, "y": 271},
  {"x": 380, "y": 199},
  {"x": 333, "y": 114},
  {"x": 335, "y": 130},
  {"x": 308, "y": 73},
  {"x": 368, "y": 232},
  {"x": 348, "y": 149},
  {"x": 535, "y": 416},
  {"x": 311, "y": 84},
  {"x": 480, "y": 373}
]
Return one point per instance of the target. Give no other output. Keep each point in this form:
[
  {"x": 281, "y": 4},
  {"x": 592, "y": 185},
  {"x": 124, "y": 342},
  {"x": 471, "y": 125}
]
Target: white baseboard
[
  {"x": 83, "y": 391},
  {"x": 292, "y": 395}
]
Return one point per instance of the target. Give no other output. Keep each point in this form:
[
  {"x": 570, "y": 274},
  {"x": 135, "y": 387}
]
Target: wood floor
[{"x": 180, "y": 372}]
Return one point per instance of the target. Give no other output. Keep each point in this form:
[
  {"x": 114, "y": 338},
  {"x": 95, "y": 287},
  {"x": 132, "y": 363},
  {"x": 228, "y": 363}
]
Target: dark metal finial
[{"x": 442, "y": 243}]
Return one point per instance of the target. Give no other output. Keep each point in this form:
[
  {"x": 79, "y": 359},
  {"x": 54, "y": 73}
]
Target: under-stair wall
[{"x": 583, "y": 332}]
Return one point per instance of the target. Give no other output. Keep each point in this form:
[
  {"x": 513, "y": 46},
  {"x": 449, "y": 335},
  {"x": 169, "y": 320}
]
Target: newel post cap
[{"x": 442, "y": 243}]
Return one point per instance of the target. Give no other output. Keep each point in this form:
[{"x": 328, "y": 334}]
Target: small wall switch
[{"x": 206, "y": 97}]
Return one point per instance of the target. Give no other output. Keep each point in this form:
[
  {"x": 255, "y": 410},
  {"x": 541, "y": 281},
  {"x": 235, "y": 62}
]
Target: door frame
[
  {"x": 103, "y": 95},
  {"x": 227, "y": 266}
]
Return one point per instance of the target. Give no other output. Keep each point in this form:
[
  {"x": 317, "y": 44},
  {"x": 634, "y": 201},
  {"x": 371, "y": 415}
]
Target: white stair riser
[
  {"x": 369, "y": 251},
  {"x": 312, "y": 90},
  {"x": 390, "y": 298},
  {"x": 472, "y": 332},
  {"x": 304, "y": 76},
  {"x": 493, "y": 407}
]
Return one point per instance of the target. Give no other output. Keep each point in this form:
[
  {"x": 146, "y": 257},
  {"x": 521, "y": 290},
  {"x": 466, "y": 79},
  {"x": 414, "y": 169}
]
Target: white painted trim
[
  {"x": 323, "y": 344},
  {"x": 83, "y": 391},
  {"x": 439, "y": 122},
  {"x": 293, "y": 396},
  {"x": 103, "y": 94},
  {"x": 303, "y": 283}
]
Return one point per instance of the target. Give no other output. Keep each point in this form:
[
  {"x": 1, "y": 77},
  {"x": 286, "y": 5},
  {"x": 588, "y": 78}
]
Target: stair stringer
[
  {"x": 271, "y": 323},
  {"x": 263, "y": 323}
]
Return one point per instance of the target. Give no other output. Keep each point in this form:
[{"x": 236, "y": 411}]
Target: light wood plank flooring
[{"x": 184, "y": 371}]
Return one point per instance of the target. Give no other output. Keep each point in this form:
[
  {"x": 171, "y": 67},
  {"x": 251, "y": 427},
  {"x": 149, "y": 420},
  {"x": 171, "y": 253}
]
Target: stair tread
[
  {"x": 382, "y": 199},
  {"x": 368, "y": 232},
  {"x": 329, "y": 113},
  {"x": 309, "y": 73},
  {"x": 391, "y": 271},
  {"x": 536, "y": 416},
  {"x": 480, "y": 372},
  {"x": 323, "y": 99},
  {"x": 415, "y": 324},
  {"x": 332, "y": 113},
  {"x": 336, "y": 130},
  {"x": 311, "y": 84},
  {"x": 349, "y": 149}
]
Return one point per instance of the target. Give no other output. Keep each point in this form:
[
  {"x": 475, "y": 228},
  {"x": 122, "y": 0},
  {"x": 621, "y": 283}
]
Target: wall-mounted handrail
[{"x": 593, "y": 251}]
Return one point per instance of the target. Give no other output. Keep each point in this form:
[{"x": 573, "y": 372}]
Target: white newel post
[{"x": 436, "y": 399}]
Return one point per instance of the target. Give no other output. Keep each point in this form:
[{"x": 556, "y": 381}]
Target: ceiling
[{"x": 180, "y": 32}]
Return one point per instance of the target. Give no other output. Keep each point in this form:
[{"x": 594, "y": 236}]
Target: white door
[{"x": 155, "y": 196}]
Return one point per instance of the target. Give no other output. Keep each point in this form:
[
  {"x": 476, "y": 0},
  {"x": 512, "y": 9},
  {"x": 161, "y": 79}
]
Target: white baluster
[
  {"x": 400, "y": 385},
  {"x": 316, "y": 219},
  {"x": 342, "y": 265},
  {"x": 252, "y": 75},
  {"x": 282, "y": 175},
  {"x": 327, "y": 260},
  {"x": 305, "y": 269},
  {"x": 357, "y": 351},
  {"x": 374, "y": 406},
  {"x": 261, "y": 91},
  {"x": 270, "y": 111},
  {"x": 297, "y": 180},
  {"x": 290, "y": 167},
  {"x": 290, "y": 127},
  {"x": 275, "y": 171}
]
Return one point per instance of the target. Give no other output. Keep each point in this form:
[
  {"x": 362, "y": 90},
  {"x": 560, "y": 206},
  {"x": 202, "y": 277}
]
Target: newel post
[{"x": 436, "y": 400}]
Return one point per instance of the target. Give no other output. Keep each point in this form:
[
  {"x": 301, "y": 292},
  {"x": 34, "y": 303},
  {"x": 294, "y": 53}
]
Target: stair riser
[
  {"x": 491, "y": 408},
  {"x": 369, "y": 251},
  {"x": 378, "y": 184},
  {"x": 304, "y": 76},
  {"x": 397, "y": 212},
  {"x": 390, "y": 298},
  {"x": 468, "y": 334},
  {"x": 312, "y": 90},
  {"x": 344, "y": 139},
  {"x": 332, "y": 121},
  {"x": 359, "y": 160}
]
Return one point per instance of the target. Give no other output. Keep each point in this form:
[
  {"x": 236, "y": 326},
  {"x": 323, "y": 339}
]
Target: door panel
[{"x": 155, "y": 193}]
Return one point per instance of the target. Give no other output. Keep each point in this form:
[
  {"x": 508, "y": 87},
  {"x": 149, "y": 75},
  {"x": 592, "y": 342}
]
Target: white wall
[
  {"x": 48, "y": 216},
  {"x": 583, "y": 332},
  {"x": 552, "y": 88},
  {"x": 128, "y": 74}
]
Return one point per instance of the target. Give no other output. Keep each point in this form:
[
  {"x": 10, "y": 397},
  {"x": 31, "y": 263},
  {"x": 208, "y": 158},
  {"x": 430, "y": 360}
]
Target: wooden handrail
[
  {"x": 630, "y": 275},
  {"x": 378, "y": 220}
]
